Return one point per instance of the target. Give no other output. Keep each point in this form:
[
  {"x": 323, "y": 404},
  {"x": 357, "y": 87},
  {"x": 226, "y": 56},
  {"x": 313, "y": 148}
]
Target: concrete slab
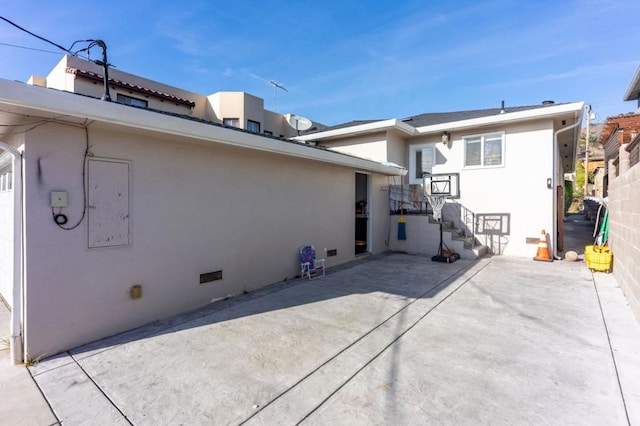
[
  {"x": 394, "y": 339},
  {"x": 492, "y": 353},
  {"x": 21, "y": 402}
]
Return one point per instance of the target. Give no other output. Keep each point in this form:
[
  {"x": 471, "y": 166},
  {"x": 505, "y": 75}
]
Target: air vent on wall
[{"x": 210, "y": 276}]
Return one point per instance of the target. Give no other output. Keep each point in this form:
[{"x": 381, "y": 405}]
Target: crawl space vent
[{"x": 210, "y": 276}]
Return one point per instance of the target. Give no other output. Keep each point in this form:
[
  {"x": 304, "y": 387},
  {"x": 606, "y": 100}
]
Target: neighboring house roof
[
  {"x": 633, "y": 92},
  {"x": 348, "y": 124},
  {"x": 19, "y": 99},
  {"x": 628, "y": 123},
  {"x": 566, "y": 120},
  {"x": 461, "y": 120},
  {"x": 432, "y": 118},
  {"x": 123, "y": 84}
]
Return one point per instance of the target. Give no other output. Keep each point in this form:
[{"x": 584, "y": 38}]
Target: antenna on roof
[{"x": 276, "y": 86}]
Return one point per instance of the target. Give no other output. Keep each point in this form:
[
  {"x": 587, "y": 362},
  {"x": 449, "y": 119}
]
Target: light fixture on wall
[{"x": 445, "y": 137}]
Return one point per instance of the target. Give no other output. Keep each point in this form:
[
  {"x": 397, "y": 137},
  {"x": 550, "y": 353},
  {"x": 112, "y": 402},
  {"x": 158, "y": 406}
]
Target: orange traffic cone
[{"x": 543, "y": 250}]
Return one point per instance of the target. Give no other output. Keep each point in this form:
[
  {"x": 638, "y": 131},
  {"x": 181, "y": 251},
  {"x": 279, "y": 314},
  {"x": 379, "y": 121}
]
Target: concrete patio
[
  {"x": 395, "y": 339},
  {"x": 391, "y": 339}
]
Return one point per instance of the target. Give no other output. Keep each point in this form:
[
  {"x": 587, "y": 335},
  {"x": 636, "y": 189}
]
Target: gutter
[{"x": 16, "y": 342}]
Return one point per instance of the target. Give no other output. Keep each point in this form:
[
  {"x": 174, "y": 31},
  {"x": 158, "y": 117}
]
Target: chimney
[
  {"x": 502, "y": 110},
  {"x": 35, "y": 80},
  {"x": 620, "y": 136}
]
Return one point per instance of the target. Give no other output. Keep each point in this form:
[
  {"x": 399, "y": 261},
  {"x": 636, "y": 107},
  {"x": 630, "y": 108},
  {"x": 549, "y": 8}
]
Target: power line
[
  {"x": 29, "y": 48},
  {"x": 36, "y": 35},
  {"x": 91, "y": 43}
]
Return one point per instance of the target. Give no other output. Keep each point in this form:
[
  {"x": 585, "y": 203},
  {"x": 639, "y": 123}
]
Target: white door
[{"x": 108, "y": 202}]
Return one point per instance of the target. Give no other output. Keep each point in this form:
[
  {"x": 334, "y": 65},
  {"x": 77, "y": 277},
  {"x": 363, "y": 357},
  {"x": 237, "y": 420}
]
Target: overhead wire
[
  {"x": 59, "y": 218},
  {"x": 29, "y": 48},
  {"x": 69, "y": 50}
]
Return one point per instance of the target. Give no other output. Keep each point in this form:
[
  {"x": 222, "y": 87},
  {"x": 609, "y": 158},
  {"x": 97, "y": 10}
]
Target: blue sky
[{"x": 346, "y": 60}]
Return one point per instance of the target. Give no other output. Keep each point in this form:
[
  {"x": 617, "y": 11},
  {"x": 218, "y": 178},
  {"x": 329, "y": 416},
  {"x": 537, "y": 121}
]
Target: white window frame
[
  {"x": 255, "y": 124},
  {"x": 121, "y": 98},
  {"x": 231, "y": 121},
  {"x": 413, "y": 166},
  {"x": 6, "y": 179},
  {"x": 483, "y": 139}
]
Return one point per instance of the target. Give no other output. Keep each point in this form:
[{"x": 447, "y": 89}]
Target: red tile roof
[
  {"x": 628, "y": 123},
  {"x": 123, "y": 84}
]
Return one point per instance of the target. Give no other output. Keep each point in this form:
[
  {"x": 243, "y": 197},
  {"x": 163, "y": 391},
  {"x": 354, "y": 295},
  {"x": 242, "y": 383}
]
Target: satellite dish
[{"x": 298, "y": 123}]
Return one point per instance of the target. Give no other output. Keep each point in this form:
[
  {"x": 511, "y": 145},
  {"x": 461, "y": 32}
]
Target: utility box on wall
[{"x": 108, "y": 203}]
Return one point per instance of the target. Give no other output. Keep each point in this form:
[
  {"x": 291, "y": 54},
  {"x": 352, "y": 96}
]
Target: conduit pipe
[{"x": 16, "y": 342}]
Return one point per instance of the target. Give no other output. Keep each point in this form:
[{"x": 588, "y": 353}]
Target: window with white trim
[
  {"x": 253, "y": 126},
  {"x": 422, "y": 160},
  {"x": 484, "y": 150},
  {"x": 6, "y": 180},
  {"x": 130, "y": 100},
  {"x": 233, "y": 122}
]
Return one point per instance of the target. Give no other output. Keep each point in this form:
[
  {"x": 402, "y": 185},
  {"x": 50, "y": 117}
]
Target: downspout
[
  {"x": 555, "y": 184},
  {"x": 16, "y": 342}
]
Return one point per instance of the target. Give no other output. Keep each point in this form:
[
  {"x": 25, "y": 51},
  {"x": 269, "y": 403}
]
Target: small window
[
  {"x": 484, "y": 150},
  {"x": 129, "y": 100},
  {"x": 6, "y": 180},
  {"x": 422, "y": 160},
  {"x": 253, "y": 126},
  {"x": 233, "y": 122}
]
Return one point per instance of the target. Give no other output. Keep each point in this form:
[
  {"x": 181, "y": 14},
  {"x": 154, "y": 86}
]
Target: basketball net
[{"x": 437, "y": 202}]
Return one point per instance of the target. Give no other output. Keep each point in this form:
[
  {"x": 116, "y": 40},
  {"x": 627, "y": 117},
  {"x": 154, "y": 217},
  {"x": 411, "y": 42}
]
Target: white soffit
[{"x": 68, "y": 105}]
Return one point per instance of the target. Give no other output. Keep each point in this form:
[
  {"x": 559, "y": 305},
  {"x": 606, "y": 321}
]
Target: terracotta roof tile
[
  {"x": 119, "y": 83},
  {"x": 627, "y": 122}
]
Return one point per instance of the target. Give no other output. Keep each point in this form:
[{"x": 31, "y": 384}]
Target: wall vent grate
[
  {"x": 332, "y": 252},
  {"x": 210, "y": 276}
]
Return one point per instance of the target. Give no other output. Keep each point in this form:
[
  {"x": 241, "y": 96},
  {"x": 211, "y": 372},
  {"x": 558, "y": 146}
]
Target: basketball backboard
[{"x": 442, "y": 184}]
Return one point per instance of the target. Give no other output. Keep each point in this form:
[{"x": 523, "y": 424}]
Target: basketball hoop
[
  {"x": 437, "y": 203},
  {"x": 437, "y": 188}
]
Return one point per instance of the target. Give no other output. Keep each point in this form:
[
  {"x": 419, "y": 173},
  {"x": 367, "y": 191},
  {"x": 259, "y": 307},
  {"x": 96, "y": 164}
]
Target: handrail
[{"x": 462, "y": 218}]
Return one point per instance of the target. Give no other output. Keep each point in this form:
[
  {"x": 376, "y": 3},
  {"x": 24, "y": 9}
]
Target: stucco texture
[{"x": 194, "y": 209}]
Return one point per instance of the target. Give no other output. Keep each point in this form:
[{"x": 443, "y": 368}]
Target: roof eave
[
  {"x": 376, "y": 126},
  {"x": 633, "y": 92},
  {"x": 509, "y": 117},
  {"x": 71, "y": 105}
]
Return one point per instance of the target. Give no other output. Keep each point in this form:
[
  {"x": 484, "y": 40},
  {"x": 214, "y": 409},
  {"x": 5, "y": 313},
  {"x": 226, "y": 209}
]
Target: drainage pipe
[{"x": 16, "y": 342}]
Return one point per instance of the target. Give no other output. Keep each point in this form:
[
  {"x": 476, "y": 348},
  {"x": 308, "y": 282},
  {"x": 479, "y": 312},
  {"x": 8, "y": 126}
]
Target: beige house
[
  {"x": 510, "y": 161},
  {"x": 115, "y": 214}
]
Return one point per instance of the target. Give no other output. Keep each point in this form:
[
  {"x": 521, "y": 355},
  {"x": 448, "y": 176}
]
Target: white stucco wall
[
  {"x": 508, "y": 189},
  {"x": 6, "y": 245},
  {"x": 372, "y": 147},
  {"x": 194, "y": 209}
]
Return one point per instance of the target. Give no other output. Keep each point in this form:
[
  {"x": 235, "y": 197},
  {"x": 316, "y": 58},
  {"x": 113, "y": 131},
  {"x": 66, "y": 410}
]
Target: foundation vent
[
  {"x": 210, "y": 276},
  {"x": 332, "y": 252}
]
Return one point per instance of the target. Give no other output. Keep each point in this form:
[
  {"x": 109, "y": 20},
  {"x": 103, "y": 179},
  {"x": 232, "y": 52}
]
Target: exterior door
[{"x": 108, "y": 203}]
